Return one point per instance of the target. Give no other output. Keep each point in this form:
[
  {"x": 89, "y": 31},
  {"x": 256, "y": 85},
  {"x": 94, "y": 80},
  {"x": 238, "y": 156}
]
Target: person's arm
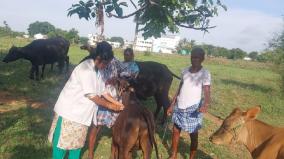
[
  {"x": 171, "y": 107},
  {"x": 206, "y": 92},
  {"x": 103, "y": 102},
  {"x": 108, "y": 97},
  {"x": 204, "y": 107}
]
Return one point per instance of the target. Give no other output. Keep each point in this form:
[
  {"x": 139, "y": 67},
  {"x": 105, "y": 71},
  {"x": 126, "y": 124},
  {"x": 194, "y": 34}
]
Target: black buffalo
[
  {"x": 154, "y": 79},
  {"x": 42, "y": 52}
]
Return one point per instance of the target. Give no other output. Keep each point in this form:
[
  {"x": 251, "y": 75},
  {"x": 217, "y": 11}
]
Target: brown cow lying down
[
  {"x": 262, "y": 140},
  {"x": 134, "y": 128}
]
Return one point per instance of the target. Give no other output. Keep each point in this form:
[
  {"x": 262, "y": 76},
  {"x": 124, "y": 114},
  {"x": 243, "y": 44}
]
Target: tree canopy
[
  {"x": 117, "y": 39},
  {"x": 40, "y": 27},
  {"x": 155, "y": 16}
]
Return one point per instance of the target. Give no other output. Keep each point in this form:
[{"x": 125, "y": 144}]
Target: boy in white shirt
[
  {"x": 74, "y": 109},
  {"x": 187, "y": 105}
]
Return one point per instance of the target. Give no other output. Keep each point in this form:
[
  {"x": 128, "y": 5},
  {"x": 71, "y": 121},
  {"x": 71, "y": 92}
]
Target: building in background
[
  {"x": 143, "y": 45},
  {"x": 40, "y": 36},
  {"x": 127, "y": 44},
  {"x": 94, "y": 38},
  {"x": 114, "y": 44},
  {"x": 164, "y": 44}
]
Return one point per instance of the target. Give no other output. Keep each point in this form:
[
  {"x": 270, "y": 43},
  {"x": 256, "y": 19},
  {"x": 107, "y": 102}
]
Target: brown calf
[
  {"x": 134, "y": 128},
  {"x": 262, "y": 140}
]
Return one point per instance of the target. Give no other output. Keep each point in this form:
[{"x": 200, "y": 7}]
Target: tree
[
  {"x": 40, "y": 27},
  {"x": 277, "y": 47},
  {"x": 117, "y": 39},
  {"x": 253, "y": 55},
  {"x": 236, "y": 54},
  {"x": 155, "y": 17},
  {"x": 83, "y": 40}
]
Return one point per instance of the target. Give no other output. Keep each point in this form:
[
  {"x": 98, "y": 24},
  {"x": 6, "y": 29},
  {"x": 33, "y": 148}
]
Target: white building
[
  {"x": 143, "y": 45},
  {"x": 247, "y": 58},
  {"x": 40, "y": 36},
  {"x": 114, "y": 44},
  {"x": 166, "y": 44},
  {"x": 94, "y": 38},
  {"x": 127, "y": 44}
]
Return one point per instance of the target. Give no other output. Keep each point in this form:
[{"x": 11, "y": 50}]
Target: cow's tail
[
  {"x": 175, "y": 75},
  {"x": 148, "y": 116}
]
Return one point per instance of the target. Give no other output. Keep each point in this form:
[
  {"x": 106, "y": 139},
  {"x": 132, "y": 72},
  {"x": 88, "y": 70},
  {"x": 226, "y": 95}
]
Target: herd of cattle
[{"x": 136, "y": 124}]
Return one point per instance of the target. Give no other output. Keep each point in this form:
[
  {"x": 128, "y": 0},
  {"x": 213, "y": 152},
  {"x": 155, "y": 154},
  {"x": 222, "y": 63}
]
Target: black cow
[
  {"x": 42, "y": 52},
  {"x": 134, "y": 128},
  {"x": 154, "y": 79}
]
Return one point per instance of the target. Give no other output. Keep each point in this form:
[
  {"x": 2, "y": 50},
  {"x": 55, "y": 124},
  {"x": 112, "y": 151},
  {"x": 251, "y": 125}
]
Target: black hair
[
  {"x": 128, "y": 50},
  {"x": 103, "y": 50},
  {"x": 198, "y": 50}
]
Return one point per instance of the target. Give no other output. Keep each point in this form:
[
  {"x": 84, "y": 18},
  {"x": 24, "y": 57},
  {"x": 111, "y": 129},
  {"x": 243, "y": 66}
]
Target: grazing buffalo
[
  {"x": 262, "y": 140},
  {"x": 41, "y": 52},
  {"x": 134, "y": 128}
]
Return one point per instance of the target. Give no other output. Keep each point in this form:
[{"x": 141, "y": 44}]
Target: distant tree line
[
  {"x": 7, "y": 31},
  {"x": 51, "y": 31},
  {"x": 269, "y": 55}
]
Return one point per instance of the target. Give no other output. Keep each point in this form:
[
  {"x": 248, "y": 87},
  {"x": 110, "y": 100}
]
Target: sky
[{"x": 247, "y": 24}]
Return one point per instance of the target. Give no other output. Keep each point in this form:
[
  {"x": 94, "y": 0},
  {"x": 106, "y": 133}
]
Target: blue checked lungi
[
  {"x": 189, "y": 119},
  {"x": 106, "y": 117}
]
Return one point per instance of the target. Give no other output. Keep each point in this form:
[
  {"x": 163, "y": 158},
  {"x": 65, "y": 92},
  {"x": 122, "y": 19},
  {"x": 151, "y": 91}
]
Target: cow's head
[
  {"x": 13, "y": 55},
  {"x": 233, "y": 127},
  {"x": 124, "y": 86}
]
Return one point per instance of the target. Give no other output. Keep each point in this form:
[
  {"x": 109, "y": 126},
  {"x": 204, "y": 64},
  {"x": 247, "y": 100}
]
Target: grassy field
[{"x": 26, "y": 106}]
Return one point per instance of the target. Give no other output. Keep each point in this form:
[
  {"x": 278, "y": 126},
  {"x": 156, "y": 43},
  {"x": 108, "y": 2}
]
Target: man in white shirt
[
  {"x": 187, "y": 114},
  {"x": 75, "y": 107}
]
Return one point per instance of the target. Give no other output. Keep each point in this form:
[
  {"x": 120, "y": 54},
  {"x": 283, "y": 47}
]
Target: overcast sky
[{"x": 248, "y": 24}]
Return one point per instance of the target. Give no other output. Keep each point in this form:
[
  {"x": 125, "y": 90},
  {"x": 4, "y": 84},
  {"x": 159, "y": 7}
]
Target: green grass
[{"x": 24, "y": 127}]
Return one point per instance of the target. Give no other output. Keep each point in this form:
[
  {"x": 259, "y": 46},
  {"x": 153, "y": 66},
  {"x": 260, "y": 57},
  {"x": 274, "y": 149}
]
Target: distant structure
[
  {"x": 40, "y": 36},
  {"x": 26, "y": 36},
  {"x": 114, "y": 44},
  {"x": 143, "y": 45},
  {"x": 165, "y": 44},
  {"x": 247, "y": 58},
  {"x": 93, "y": 39},
  {"x": 127, "y": 44}
]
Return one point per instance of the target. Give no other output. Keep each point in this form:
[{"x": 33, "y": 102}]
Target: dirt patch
[{"x": 9, "y": 102}]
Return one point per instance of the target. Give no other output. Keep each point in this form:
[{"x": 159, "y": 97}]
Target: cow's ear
[{"x": 252, "y": 113}]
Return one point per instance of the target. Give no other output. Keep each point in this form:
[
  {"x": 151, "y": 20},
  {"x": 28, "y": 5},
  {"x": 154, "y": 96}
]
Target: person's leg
[
  {"x": 193, "y": 145},
  {"x": 92, "y": 139},
  {"x": 175, "y": 141},
  {"x": 74, "y": 154},
  {"x": 57, "y": 153}
]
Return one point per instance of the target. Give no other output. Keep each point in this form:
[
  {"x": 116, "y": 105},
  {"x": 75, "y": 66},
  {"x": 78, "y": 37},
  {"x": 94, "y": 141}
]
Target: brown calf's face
[
  {"x": 233, "y": 126},
  {"x": 123, "y": 86}
]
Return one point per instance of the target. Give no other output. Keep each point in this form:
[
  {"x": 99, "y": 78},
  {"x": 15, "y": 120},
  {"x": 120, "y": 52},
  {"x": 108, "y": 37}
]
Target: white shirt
[
  {"x": 191, "y": 90},
  {"x": 71, "y": 103}
]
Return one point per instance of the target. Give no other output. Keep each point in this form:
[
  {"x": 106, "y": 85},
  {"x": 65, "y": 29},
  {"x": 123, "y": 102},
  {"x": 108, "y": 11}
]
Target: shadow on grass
[
  {"x": 247, "y": 85},
  {"x": 184, "y": 142},
  {"x": 23, "y": 133}
]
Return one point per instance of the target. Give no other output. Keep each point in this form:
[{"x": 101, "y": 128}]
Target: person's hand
[
  {"x": 203, "y": 108},
  {"x": 170, "y": 110},
  {"x": 118, "y": 107}
]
